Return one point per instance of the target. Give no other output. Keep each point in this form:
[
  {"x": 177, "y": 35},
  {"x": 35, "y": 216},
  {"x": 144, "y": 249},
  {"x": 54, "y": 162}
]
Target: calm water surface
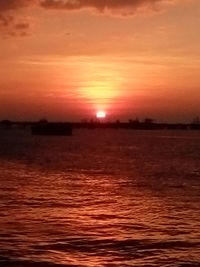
[{"x": 100, "y": 198}]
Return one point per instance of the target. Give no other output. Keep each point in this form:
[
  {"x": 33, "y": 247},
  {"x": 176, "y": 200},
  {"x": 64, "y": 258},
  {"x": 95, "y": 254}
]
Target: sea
[{"x": 100, "y": 198}]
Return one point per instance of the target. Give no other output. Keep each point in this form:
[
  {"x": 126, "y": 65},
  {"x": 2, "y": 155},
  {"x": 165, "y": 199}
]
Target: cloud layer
[
  {"x": 7, "y": 5},
  {"x": 100, "y": 5},
  {"x": 9, "y": 9},
  {"x": 10, "y": 23}
]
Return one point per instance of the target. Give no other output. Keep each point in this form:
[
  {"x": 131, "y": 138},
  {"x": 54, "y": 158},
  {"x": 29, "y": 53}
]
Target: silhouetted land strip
[
  {"x": 65, "y": 128},
  {"x": 137, "y": 126}
]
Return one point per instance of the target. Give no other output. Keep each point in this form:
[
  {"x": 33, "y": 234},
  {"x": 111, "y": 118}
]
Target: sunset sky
[{"x": 68, "y": 59}]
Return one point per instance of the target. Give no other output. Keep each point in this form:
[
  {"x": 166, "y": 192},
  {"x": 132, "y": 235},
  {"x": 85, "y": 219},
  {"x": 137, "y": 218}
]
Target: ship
[{"x": 52, "y": 129}]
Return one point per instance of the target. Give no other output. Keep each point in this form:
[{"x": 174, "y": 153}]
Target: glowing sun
[{"x": 101, "y": 114}]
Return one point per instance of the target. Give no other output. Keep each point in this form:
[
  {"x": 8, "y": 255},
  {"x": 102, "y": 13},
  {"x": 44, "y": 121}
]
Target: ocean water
[{"x": 100, "y": 198}]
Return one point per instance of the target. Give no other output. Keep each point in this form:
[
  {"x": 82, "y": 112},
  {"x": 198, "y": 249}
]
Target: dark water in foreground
[{"x": 100, "y": 198}]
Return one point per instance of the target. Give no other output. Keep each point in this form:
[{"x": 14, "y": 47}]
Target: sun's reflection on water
[{"x": 98, "y": 217}]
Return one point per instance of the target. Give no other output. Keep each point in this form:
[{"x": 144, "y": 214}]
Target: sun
[{"x": 101, "y": 114}]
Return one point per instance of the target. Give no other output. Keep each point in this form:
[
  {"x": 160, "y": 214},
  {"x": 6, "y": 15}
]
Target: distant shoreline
[{"x": 134, "y": 125}]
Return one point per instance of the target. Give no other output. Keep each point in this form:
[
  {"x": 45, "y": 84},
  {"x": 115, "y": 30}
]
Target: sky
[{"x": 68, "y": 59}]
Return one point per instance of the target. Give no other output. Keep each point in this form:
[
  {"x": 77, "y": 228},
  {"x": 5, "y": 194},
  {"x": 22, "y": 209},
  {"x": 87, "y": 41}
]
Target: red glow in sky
[{"x": 142, "y": 64}]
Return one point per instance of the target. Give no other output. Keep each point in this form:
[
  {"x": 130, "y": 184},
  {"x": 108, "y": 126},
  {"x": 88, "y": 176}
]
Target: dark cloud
[
  {"x": 10, "y": 23},
  {"x": 5, "y": 20},
  {"x": 10, "y": 9},
  {"x": 11, "y": 27},
  {"x": 7, "y": 5},
  {"x": 100, "y": 5},
  {"x": 22, "y": 26}
]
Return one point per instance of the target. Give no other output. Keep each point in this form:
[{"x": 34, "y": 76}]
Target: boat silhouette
[{"x": 52, "y": 129}]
